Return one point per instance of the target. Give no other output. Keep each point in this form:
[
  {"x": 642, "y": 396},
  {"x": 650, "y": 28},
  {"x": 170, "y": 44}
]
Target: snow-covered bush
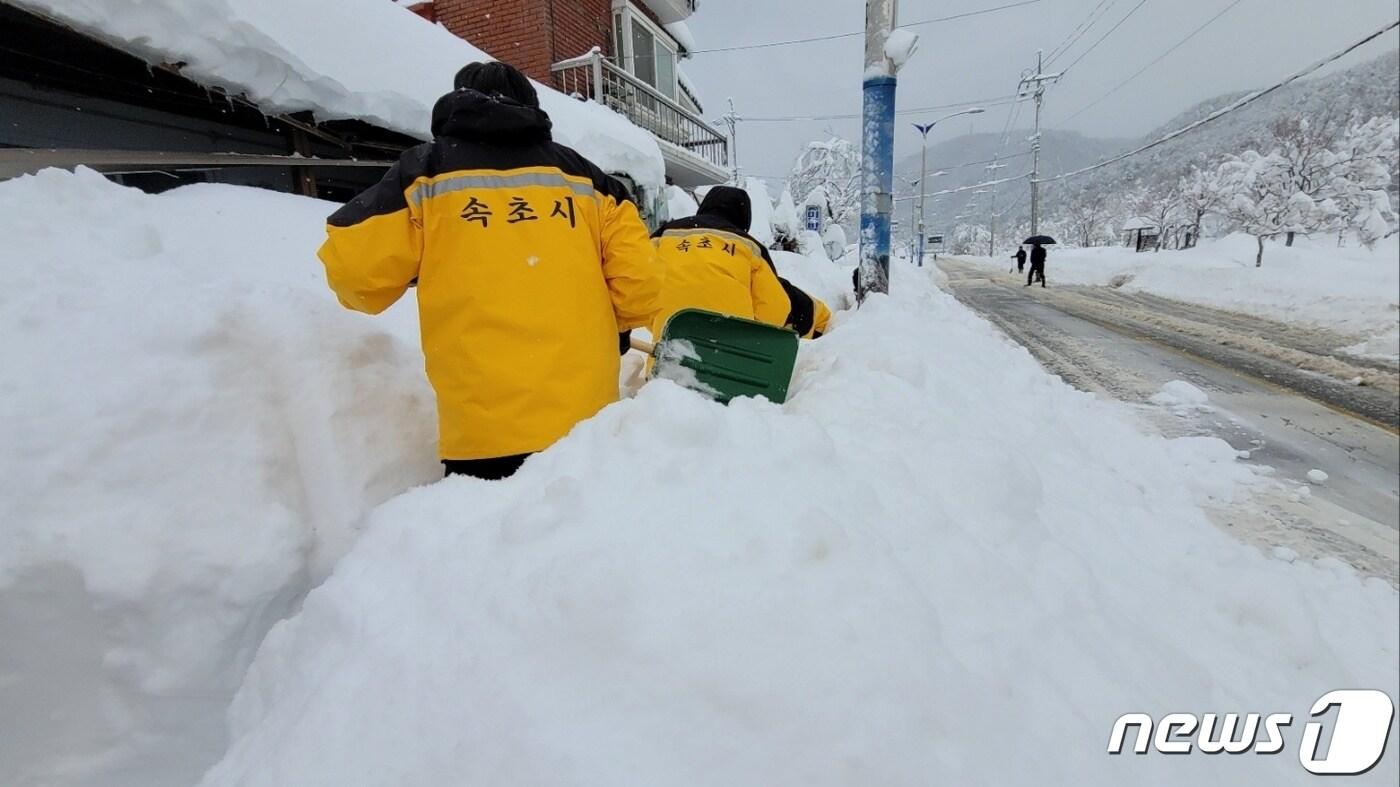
[
  {"x": 834, "y": 241},
  {"x": 786, "y": 223}
]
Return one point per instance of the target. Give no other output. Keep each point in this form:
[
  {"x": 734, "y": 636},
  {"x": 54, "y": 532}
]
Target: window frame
[{"x": 628, "y": 14}]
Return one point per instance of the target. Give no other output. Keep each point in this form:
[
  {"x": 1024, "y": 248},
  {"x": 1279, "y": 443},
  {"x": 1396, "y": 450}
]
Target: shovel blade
[{"x": 724, "y": 357}]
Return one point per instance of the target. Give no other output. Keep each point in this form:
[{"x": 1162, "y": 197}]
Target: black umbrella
[{"x": 1043, "y": 240}]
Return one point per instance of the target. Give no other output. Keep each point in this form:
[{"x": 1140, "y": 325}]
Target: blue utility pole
[{"x": 877, "y": 150}]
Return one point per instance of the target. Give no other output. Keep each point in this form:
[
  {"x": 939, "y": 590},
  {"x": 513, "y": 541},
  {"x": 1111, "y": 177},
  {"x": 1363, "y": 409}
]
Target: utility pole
[
  {"x": 731, "y": 119},
  {"x": 877, "y": 149},
  {"x": 1034, "y": 85},
  {"x": 992, "y": 230},
  {"x": 992, "y": 243}
]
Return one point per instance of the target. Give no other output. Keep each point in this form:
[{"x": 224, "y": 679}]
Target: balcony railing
[{"x": 593, "y": 76}]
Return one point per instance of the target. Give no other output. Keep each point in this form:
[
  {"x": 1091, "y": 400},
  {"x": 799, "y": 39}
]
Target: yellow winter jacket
[
  {"x": 529, "y": 262},
  {"x": 716, "y": 270},
  {"x": 821, "y": 319}
]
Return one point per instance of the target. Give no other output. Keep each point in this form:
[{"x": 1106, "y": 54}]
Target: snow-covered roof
[
  {"x": 681, "y": 32},
  {"x": 1139, "y": 223},
  {"x": 363, "y": 59}
]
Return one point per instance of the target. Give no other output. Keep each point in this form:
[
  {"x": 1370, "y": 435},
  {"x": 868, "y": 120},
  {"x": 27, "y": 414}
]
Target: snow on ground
[
  {"x": 935, "y": 558},
  {"x": 818, "y": 277},
  {"x": 1350, "y": 290},
  {"x": 193, "y": 429},
  {"x": 1181, "y": 396},
  {"x": 761, "y": 202},
  {"x": 679, "y": 203},
  {"x": 361, "y": 59}
]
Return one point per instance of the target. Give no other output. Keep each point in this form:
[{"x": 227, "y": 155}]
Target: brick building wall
[{"x": 531, "y": 35}]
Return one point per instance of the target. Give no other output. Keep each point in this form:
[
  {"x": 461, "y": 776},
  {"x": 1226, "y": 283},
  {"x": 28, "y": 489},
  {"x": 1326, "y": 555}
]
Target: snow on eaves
[
  {"x": 681, "y": 32},
  {"x": 339, "y": 59},
  {"x": 688, "y": 86}
]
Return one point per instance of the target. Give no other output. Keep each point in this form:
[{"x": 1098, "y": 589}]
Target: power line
[
  {"x": 1249, "y": 99},
  {"x": 1110, "y": 32},
  {"x": 1154, "y": 62},
  {"x": 985, "y": 184},
  {"x": 836, "y": 36},
  {"x": 1077, "y": 33},
  {"x": 984, "y": 102}
]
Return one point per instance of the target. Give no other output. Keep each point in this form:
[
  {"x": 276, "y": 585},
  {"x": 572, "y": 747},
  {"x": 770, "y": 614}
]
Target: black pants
[
  {"x": 493, "y": 469},
  {"x": 1037, "y": 272},
  {"x": 1021, "y": 267}
]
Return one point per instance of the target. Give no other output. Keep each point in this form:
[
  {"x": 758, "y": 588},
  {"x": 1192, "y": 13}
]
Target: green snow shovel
[{"x": 723, "y": 357}]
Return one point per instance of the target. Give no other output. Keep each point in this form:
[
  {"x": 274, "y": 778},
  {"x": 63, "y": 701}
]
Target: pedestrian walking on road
[
  {"x": 1037, "y": 265},
  {"x": 1020, "y": 256}
]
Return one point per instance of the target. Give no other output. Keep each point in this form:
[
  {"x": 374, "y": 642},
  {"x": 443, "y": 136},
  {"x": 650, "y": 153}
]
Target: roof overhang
[
  {"x": 689, "y": 170},
  {"x": 669, "y": 11}
]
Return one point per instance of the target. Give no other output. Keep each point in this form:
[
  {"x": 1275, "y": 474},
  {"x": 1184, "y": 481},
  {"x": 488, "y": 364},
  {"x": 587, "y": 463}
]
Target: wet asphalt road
[{"x": 1277, "y": 391}]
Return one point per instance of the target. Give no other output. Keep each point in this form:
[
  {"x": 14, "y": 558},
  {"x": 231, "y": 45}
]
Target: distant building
[{"x": 623, "y": 53}]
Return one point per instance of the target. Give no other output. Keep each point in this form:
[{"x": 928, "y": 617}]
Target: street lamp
[{"x": 923, "y": 167}]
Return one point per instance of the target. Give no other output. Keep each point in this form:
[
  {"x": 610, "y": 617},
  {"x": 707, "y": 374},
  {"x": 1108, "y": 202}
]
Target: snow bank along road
[
  {"x": 228, "y": 557},
  {"x": 1278, "y": 391}
]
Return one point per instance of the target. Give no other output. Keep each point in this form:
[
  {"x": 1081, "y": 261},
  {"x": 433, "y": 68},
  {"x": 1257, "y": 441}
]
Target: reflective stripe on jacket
[{"x": 529, "y": 261}]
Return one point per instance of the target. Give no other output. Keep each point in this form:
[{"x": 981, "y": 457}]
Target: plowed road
[{"x": 1281, "y": 392}]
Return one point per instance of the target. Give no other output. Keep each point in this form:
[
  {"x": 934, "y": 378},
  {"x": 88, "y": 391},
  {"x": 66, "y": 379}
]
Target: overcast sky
[{"x": 1255, "y": 43}]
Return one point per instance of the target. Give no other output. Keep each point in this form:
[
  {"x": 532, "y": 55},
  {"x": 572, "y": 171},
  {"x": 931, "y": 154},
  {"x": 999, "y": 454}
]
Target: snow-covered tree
[
  {"x": 833, "y": 167},
  {"x": 1163, "y": 207},
  {"x": 1201, "y": 194},
  {"x": 1366, "y": 167},
  {"x": 970, "y": 239},
  {"x": 1086, "y": 216},
  {"x": 1376, "y": 220},
  {"x": 1289, "y": 189}
]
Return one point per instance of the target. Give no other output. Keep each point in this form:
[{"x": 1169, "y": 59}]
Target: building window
[
  {"x": 645, "y": 50},
  {"x": 643, "y": 53}
]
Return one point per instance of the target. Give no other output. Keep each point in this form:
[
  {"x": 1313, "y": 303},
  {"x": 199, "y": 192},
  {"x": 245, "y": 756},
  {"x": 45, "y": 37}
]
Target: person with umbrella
[{"x": 1038, "y": 243}]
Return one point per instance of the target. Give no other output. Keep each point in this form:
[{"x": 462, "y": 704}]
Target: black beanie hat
[
  {"x": 497, "y": 79},
  {"x": 729, "y": 203}
]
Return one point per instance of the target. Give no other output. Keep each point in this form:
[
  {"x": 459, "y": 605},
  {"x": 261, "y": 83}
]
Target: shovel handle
[{"x": 639, "y": 344}]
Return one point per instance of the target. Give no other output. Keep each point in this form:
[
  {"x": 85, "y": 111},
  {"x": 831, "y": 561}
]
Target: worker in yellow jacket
[
  {"x": 709, "y": 261},
  {"x": 530, "y": 263}
]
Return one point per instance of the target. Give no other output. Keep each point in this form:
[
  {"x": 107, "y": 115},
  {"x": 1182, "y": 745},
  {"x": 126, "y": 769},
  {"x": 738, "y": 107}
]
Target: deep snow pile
[
  {"x": 1352, "y": 290},
  {"x": 818, "y": 277},
  {"x": 934, "y": 560},
  {"x": 364, "y": 59},
  {"x": 192, "y": 431},
  {"x": 679, "y": 203}
]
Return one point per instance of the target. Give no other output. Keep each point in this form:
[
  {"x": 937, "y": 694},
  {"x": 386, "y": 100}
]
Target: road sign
[
  {"x": 935, "y": 243},
  {"x": 814, "y": 218}
]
